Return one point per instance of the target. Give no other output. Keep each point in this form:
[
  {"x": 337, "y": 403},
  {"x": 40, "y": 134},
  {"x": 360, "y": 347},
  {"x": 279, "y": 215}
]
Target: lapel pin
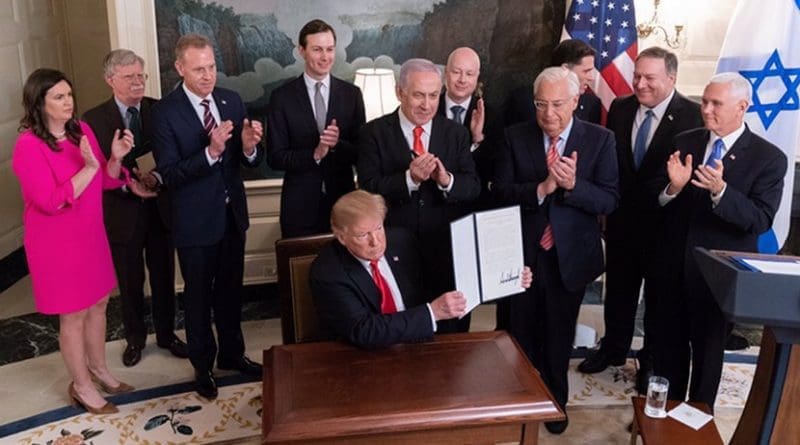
[
  {"x": 733, "y": 157},
  {"x": 669, "y": 116},
  {"x": 394, "y": 258},
  {"x": 223, "y": 102}
]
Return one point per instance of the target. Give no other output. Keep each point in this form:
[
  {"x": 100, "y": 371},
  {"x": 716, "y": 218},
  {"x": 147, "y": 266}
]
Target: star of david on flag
[
  {"x": 763, "y": 45},
  {"x": 608, "y": 26}
]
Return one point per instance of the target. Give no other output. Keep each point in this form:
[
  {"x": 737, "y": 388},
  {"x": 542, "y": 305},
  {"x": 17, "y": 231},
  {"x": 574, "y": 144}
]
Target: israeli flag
[{"x": 763, "y": 45}]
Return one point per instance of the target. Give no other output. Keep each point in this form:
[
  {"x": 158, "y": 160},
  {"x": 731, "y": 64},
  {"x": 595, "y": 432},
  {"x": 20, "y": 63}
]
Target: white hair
[
  {"x": 556, "y": 74},
  {"x": 740, "y": 87}
]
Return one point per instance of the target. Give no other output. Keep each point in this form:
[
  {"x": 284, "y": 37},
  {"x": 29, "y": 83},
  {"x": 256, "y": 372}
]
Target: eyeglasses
[
  {"x": 542, "y": 105},
  {"x": 141, "y": 77}
]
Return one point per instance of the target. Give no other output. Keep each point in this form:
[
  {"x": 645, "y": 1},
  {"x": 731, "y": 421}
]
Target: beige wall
[{"x": 87, "y": 28}]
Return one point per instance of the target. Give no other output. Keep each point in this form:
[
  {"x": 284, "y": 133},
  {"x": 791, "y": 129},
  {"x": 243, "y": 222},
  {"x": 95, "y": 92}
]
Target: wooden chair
[{"x": 299, "y": 322}]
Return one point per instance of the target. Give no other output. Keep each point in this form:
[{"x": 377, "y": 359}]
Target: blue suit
[
  {"x": 543, "y": 318},
  {"x": 209, "y": 220}
]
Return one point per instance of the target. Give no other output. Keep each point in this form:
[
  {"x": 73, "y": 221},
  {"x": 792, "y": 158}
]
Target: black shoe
[
  {"x": 736, "y": 342},
  {"x": 557, "y": 427},
  {"x": 241, "y": 364},
  {"x": 206, "y": 385},
  {"x": 132, "y": 355},
  {"x": 177, "y": 347},
  {"x": 598, "y": 361}
]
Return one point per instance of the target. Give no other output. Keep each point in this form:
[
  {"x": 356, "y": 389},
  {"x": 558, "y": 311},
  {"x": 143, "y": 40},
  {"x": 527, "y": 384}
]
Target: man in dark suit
[
  {"x": 138, "y": 229},
  {"x": 563, "y": 173},
  {"x": 367, "y": 284},
  {"x": 313, "y": 123},
  {"x": 644, "y": 125},
  {"x": 421, "y": 164},
  {"x": 201, "y": 137},
  {"x": 574, "y": 55},
  {"x": 723, "y": 194}
]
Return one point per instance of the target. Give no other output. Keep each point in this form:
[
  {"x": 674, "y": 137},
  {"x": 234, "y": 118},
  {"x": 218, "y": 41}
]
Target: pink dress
[{"x": 65, "y": 240}]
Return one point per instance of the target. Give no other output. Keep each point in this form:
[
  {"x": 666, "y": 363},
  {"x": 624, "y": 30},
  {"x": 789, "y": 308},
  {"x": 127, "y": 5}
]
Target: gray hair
[
  {"x": 411, "y": 66},
  {"x": 740, "y": 87},
  {"x": 556, "y": 74},
  {"x": 119, "y": 57}
]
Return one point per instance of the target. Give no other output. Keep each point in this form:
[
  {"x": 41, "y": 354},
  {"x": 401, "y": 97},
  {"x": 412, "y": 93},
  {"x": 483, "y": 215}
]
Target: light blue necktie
[
  {"x": 716, "y": 153},
  {"x": 457, "y": 110},
  {"x": 640, "y": 147}
]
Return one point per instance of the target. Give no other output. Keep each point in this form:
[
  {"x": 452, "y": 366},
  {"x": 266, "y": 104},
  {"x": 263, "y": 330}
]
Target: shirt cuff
[
  {"x": 449, "y": 186},
  {"x": 211, "y": 161},
  {"x": 474, "y": 146},
  {"x": 158, "y": 177},
  {"x": 252, "y": 157},
  {"x": 433, "y": 319},
  {"x": 715, "y": 199},
  {"x": 412, "y": 186},
  {"x": 664, "y": 198}
]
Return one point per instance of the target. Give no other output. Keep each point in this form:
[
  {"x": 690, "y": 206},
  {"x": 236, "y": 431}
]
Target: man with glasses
[
  {"x": 138, "y": 229},
  {"x": 562, "y": 172}
]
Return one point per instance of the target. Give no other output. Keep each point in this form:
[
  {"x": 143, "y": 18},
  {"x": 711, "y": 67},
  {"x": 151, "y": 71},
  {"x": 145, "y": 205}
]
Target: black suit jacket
[
  {"x": 638, "y": 207},
  {"x": 120, "y": 207},
  {"x": 292, "y": 135},
  {"x": 484, "y": 154},
  {"x": 753, "y": 170},
  {"x": 348, "y": 302},
  {"x": 384, "y": 157},
  {"x": 522, "y": 165},
  {"x": 519, "y": 107},
  {"x": 199, "y": 190}
]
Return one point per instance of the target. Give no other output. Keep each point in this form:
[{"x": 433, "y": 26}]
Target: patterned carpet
[{"x": 177, "y": 415}]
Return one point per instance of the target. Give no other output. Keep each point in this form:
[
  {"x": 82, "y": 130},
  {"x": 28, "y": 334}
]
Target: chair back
[{"x": 299, "y": 321}]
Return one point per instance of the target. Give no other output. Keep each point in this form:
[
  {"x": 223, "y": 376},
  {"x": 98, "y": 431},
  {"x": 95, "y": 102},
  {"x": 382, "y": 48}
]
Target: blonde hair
[
  {"x": 355, "y": 205},
  {"x": 187, "y": 41}
]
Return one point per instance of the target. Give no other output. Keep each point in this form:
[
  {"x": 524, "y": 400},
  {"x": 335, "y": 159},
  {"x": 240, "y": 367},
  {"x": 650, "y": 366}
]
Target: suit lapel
[
  {"x": 395, "y": 133},
  {"x": 359, "y": 275},
  {"x": 401, "y": 275},
  {"x": 662, "y": 137},
  {"x": 303, "y": 101},
  {"x": 188, "y": 112},
  {"x": 535, "y": 151},
  {"x": 437, "y": 140},
  {"x": 575, "y": 138}
]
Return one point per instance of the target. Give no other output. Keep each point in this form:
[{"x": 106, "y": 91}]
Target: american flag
[{"x": 608, "y": 26}]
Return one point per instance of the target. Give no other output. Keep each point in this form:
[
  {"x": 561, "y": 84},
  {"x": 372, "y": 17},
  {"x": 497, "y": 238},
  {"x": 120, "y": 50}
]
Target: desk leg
[
  {"x": 530, "y": 433},
  {"x": 634, "y": 431}
]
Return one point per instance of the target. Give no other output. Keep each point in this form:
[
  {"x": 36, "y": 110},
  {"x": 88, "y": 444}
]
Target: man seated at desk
[{"x": 367, "y": 284}]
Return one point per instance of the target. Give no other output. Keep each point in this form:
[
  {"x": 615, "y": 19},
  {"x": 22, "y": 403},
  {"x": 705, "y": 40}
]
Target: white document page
[
  {"x": 465, "y": 260},
  {"x": 690, "y": 416},
  {"x": 779, "y": 267},
  {"x": 500, "y": 252}
]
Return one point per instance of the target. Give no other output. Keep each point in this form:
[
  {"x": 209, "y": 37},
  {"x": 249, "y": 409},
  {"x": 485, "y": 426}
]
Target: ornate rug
[{"x": 184, "y": 417}]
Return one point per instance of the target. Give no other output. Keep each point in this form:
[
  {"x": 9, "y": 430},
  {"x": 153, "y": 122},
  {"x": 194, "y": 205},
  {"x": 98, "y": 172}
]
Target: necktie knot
[
  {"x": 457, "y": 111},
  {"x": 418, "y": 148}
]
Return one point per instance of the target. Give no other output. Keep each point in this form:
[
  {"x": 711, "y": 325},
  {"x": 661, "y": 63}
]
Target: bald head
[{"x": 461, "y": 73}]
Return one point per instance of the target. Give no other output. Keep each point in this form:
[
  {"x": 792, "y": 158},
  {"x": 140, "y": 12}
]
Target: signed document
[{"x": 487, "y": 255}]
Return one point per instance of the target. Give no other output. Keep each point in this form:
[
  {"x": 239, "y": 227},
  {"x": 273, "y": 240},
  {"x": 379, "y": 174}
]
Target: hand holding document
[{"x": 487, "y": 255}]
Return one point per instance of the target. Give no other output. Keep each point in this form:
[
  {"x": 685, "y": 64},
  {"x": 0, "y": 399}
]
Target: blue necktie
[
  {"x": 640, "y": 147},
  {"x": 716, "y": 153},
  {"x": 457, "y": 110}
]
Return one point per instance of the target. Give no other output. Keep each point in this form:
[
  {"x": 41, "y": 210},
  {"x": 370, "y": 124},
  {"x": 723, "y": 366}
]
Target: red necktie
[
  {"x": 547, "y": 241},
  {"x": 387, "y": 302},
  {"x": 418, "y": 148},
  {"x": 209, "y": 123}
]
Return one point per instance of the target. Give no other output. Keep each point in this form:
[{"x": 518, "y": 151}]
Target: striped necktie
[{"x": 209, "y": 123}]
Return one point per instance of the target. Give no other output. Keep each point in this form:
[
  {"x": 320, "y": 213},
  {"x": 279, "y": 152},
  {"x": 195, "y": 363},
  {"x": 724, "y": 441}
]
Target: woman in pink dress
[{"x": 63, "y": 173}]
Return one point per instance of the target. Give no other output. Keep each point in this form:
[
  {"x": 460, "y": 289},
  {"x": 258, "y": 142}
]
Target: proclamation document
[{"x": 487, "y": 255}]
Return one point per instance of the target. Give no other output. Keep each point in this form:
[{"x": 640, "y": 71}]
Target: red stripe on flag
[
  {"x": 633, "y": 50},
  {"x": 615, "y": 80}
]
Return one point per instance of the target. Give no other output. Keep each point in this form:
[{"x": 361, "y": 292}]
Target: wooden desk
[
  {"x": 476, "y": 388},
  {"x": 668, "y": 431}
]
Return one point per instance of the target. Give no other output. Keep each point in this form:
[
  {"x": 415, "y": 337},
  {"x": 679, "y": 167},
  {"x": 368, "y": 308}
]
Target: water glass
[{"x": 656, "y": 405}]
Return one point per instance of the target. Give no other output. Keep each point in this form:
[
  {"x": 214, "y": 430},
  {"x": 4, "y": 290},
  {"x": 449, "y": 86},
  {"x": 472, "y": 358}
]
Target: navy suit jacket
[
  {"x": 754, "y": 170},
  {"x": 120, "y": 208},
  {"x": 348, "y": 302},
  {"x": 384, "y": 156},
  {"x": 292, "y": 135},
  {"x": 522, "y": 165},
  {"x": 639, "y": 189},
  {"x": 198, "y": 189}
]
